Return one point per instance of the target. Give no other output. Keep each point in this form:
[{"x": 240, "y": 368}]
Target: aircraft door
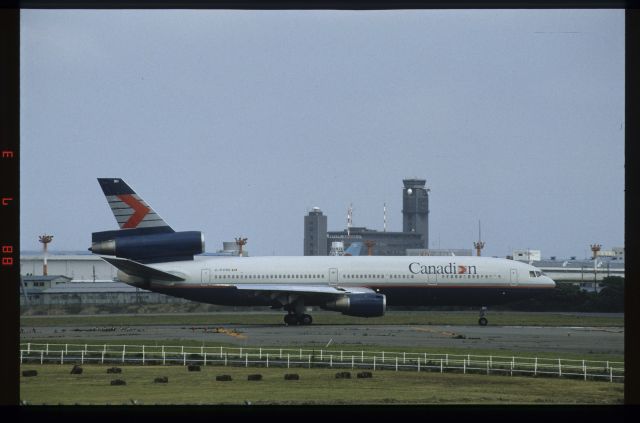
[
  {"x": 333, "y": 276},
  {"x": 514, "y": 277},
  {"x": 205, "y": 276},
  {"x": 432, "y": 279}
]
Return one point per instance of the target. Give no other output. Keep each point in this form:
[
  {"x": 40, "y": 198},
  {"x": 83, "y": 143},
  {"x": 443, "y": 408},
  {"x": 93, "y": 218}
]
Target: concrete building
[
  {"x": 315, "y": 234},
  {"x": 385, "y": 243},
  {"x": 78, "y": 267},
  {"x": 440, "y": 252},
  {"x": 415, "y": 209},
  {"x": 415, "y": 233}
]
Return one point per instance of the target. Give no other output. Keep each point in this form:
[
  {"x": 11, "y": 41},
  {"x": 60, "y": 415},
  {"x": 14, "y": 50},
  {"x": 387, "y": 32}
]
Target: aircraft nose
[{"x": 550, "y": 282}]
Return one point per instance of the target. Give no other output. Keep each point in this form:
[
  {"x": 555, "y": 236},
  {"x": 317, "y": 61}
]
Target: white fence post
[
  {"x": 124, "y": 347},
  {"x": 331, "y": 361},
  {"x": 41, "y": 357},
  {"x": 559, "y": 368},
  {"x": 320, "y": 355},
  {"x": 61, "y": 356},
  {"x": 374, "y": 362},
  {"x": 28, "y": 347},
  {"x": 163, "y": 356},
  {"x": 21, "y": 352},
  {"x": 300, "y": 353},
  {"x": 287, "y": 360},
  {"x": 143, "y": 354},
  {"x": 610, "y": 374},
  {"x": 464, "y": 366},
  {"x": 404, "y": 358},
  {"x": 352, "y": 361},
  {"x": 246, "y": 360},
  {"x": 260, "y": 353},
  {"x": 396, "y": 363},
  {"x": 184, "y": 359},
  {"x": 81, "y": 357},
  {"x": 440, "y": 365},
  {"x": 225, "y": 359},
  {"x": 418, "y": 364},
  {"x": 309, "y": 360},
  {"x": 447, "y": 358},
  {"x": 102, "y": 361},
  {"x": 47, "y": 347},
  {"x": 535, "y": 367},
  {"x": 584, "y": 369},
  {"x": 362, "y": 356},
  {"x": 267, "y": 360},
  {"x": 205, "y": 359}
]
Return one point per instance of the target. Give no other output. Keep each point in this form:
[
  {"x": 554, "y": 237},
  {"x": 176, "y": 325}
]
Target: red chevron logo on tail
[{"x": 139, "y": 209}]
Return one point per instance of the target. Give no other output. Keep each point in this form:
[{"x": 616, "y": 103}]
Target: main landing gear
[
  {"x": 482, "y": 321},
  {"x": 293, "y": 319}
]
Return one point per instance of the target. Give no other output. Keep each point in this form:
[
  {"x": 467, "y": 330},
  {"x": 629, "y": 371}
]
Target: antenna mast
[
  {"x": 385, "y": 216},
  {"x": 480, "y": 244},
  {"x": 349, "y": 219}
]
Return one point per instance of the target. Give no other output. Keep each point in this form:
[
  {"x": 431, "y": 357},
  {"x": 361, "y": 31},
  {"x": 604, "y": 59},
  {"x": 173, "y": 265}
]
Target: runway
[{"x": 579, "y": 340}]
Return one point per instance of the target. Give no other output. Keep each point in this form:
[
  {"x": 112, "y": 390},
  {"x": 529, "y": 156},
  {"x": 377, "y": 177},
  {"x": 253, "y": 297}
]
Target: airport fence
[{"x": 34, "y": 353}]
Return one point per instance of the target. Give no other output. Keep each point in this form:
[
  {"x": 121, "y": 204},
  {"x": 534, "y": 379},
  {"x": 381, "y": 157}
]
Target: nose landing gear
[{"x": 482, "y": 321}]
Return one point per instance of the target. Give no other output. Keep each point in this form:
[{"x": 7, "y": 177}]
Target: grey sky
[{"x": 236, "y": 123}]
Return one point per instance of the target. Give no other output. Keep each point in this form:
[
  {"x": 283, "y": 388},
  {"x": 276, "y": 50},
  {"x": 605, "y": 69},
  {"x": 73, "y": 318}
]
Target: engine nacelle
[
  {"x": 361, "y": 305},
  {"x": 163, "y": 246}
]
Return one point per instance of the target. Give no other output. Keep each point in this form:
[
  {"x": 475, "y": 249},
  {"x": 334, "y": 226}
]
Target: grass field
[
  {"x": 498, "y": 318},
  {"x": 55, "y": 385}
]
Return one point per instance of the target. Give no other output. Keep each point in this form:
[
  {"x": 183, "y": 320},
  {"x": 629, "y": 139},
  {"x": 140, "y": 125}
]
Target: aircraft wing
[{"x": 303, "y": 289}]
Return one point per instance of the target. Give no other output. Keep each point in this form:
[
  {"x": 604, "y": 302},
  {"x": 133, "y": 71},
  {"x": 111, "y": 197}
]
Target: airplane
[{"x": 149, "y": 254}]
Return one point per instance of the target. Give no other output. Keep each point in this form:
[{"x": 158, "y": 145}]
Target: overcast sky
[{"x": 237, "y": 123}]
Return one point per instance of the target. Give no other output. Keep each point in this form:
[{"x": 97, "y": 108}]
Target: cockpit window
[
  {"x": 535, "y": 273},
  {"x": 532, "y": 274}
]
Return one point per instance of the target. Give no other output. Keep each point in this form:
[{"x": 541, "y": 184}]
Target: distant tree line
[{"x": 569, "y": 297}]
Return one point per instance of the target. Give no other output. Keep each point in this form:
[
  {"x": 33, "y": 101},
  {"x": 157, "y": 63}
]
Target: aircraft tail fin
[
  {"x": 354, "y": 249},
  {"x": 129, "y": 209}
]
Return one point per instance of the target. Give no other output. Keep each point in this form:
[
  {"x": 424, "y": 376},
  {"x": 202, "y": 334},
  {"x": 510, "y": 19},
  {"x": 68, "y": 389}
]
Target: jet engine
[
  {"x": 361, "y": 305},
  {"x": 152, "y": 247}
]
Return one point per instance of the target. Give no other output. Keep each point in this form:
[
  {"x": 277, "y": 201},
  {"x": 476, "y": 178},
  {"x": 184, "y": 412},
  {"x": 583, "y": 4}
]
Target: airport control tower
[{"x": 415, "y": 208}]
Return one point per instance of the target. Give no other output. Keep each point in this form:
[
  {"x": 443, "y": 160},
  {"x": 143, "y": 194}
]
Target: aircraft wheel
[
  {"x": 290, "y": 320},
  {"x": 305, "y": 319},
  {"x": 483, "y": 321}
]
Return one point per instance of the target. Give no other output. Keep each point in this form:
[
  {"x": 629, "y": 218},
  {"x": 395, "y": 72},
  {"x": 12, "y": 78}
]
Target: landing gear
[
  {"x": 292, "y": 319},
  {"x": 482, "y": 321}
]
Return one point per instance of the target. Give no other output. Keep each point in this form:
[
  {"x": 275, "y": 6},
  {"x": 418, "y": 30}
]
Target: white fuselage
[{"x": 370, "y": 271}]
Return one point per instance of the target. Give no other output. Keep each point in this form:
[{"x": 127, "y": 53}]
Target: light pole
[{"x": 45, "y": 239}]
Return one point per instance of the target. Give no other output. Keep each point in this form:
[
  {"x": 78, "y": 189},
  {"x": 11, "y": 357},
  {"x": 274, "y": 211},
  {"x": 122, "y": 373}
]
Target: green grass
[
  {"x": 498, "y": 318},
  {"x": 55, "y": 385}
]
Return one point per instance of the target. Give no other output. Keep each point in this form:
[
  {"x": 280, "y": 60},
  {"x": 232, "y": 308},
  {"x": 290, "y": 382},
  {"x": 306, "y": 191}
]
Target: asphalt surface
[{"x": 580, "y": 340}]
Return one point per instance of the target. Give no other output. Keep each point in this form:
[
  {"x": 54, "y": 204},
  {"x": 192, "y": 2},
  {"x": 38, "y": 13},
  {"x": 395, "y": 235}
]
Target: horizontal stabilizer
[{"x": 134, "y": 268}]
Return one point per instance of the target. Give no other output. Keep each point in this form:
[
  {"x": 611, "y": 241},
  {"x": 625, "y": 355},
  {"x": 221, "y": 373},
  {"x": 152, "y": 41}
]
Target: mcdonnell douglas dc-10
[{"x": 149, "y": 254}]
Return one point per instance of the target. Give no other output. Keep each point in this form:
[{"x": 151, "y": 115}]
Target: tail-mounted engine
[{"x": 148, "y": 247}]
